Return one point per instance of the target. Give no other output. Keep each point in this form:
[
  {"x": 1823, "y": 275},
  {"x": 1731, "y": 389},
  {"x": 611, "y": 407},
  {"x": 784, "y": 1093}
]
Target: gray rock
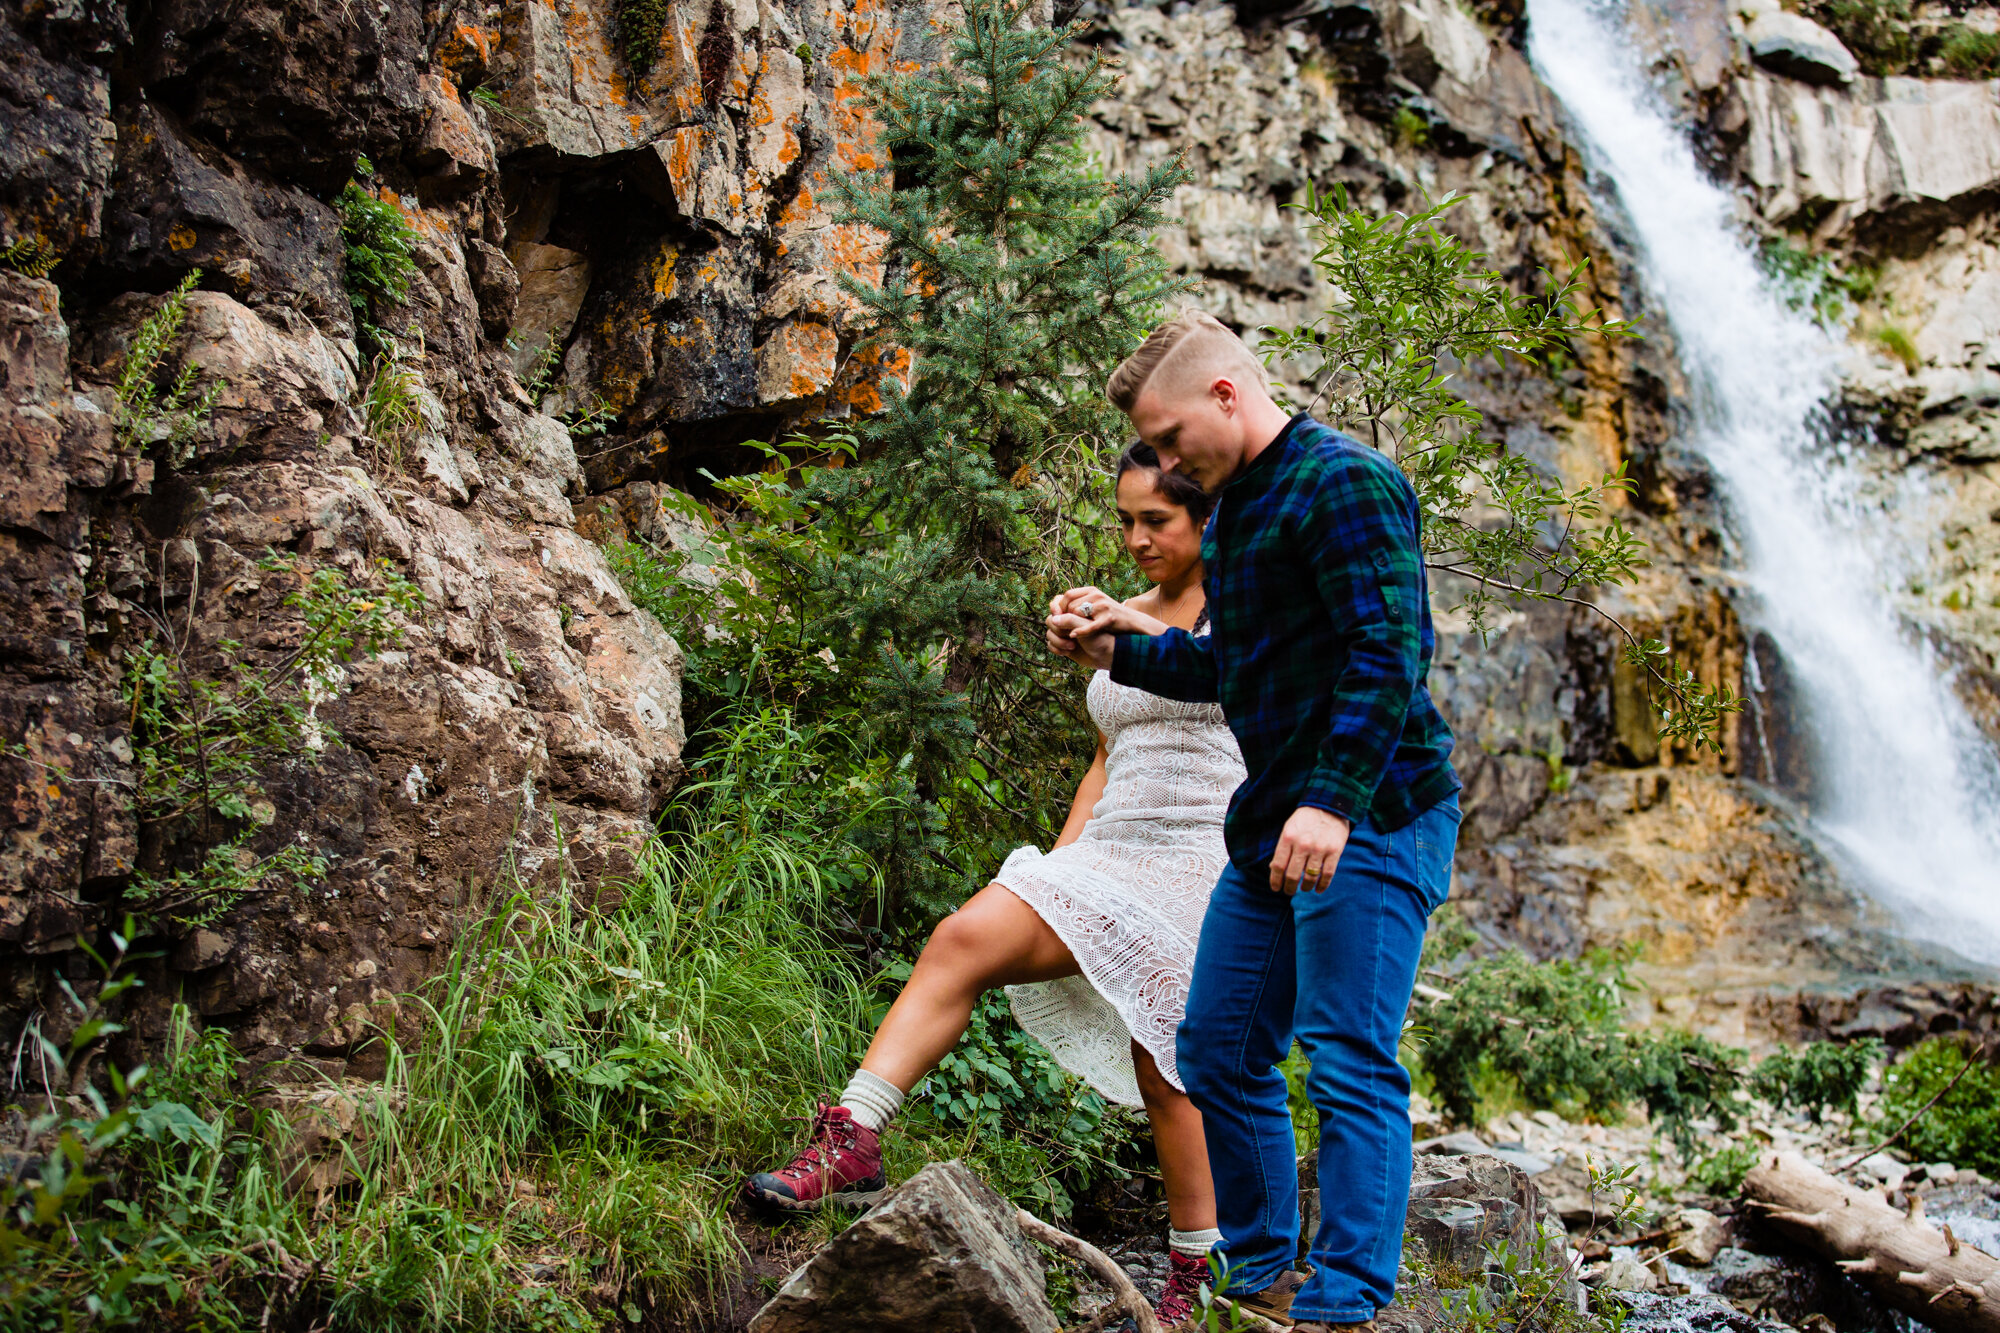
[
  {"x": 1798, "y": 48},
  {"x": 1627, "y": 1274},
  {"x": 942, "y": 1254},
  {"x": 1462, "y": 1206},
  {"x": 1695, "y": 1236},
  {"x": 1451, "y": 1145},
  {"x": 1647, "y": 1312}
]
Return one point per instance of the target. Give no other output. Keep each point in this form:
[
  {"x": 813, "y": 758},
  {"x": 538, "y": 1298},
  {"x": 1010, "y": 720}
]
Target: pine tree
[{"x": 1017, "y": 275}]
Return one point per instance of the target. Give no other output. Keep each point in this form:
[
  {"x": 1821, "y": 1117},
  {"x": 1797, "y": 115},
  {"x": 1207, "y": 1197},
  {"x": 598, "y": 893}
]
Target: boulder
[
  {"x": 942, "y": 1253},
  {"x": 1461, "y": 1207},
  {"x": 1796, "y": 47}
]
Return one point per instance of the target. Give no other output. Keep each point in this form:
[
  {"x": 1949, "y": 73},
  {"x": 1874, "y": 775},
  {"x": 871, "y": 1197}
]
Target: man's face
[{"x": 1199, "y": 434}]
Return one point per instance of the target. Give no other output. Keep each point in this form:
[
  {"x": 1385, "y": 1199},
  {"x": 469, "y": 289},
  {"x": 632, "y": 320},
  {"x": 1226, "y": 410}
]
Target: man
[{"x": 1341, "y": 837}]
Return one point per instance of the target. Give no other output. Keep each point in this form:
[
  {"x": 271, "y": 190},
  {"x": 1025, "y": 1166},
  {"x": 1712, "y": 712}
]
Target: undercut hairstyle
[
  {"x": 1191, "y": 346},
  {"x": 1140, "y": 457}
]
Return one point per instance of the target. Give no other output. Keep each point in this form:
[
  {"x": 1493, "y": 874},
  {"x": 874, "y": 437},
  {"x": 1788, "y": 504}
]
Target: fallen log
[{"x": 1922, "y": 1270}]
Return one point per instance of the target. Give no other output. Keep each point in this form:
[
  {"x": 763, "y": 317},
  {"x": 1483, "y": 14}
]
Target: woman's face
[{"x": 1163, "y": 538}]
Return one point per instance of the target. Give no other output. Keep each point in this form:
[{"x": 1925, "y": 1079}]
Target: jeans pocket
[{"x": 1437, "y": 842}]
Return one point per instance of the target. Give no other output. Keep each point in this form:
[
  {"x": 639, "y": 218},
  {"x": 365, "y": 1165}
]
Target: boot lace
[{"x": 831, "y": 1135}]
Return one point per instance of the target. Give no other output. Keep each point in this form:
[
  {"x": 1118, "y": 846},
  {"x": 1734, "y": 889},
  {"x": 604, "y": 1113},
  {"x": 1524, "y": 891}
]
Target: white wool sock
[
  {"x": 1195, "y": 1244},
  {"x": 874, "y": 1100}
]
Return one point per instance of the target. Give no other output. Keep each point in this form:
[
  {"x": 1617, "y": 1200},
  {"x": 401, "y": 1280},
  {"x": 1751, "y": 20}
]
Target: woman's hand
[{"x": 1082, "y": 622}]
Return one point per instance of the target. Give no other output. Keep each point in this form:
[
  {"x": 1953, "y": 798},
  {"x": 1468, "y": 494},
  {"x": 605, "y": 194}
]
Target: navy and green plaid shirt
[{"x": 1320, "y": 642}]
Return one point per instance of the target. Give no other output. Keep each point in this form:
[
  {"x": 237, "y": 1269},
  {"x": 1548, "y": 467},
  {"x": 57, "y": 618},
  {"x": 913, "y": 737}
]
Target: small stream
[{"x": 1907, "y": 791}]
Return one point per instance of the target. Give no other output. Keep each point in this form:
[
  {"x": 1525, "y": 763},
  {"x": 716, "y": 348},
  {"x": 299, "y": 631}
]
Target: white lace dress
[{"x": 1128, "y": 895}]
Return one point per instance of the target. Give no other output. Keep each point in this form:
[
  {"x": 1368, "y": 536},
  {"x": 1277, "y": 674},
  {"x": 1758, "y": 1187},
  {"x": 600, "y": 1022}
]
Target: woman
[{"x": 1095, "y": 940}]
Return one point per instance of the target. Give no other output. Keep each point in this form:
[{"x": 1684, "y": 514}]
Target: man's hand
[{"x": 1308, "y": 851}]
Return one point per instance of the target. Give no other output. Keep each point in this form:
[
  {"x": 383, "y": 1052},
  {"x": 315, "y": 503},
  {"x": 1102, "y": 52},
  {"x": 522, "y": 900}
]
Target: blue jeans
[{"x": 1334, "y": 970}]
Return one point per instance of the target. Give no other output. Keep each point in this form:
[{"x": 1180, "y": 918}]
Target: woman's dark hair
[{"x": 1178, "y": 489}]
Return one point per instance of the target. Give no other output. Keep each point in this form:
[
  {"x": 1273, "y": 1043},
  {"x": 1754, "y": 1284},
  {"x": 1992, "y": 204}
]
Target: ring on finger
[{"x": 1087, "y": 610}]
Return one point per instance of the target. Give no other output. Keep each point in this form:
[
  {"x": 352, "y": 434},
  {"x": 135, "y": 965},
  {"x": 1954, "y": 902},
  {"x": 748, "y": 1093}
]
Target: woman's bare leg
[
  {"x": 1183, "y": 1151},
  {"x": 994, "y": 940}
]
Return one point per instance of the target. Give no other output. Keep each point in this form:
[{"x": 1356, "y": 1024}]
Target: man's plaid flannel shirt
[{"x": 1321, "y": 638}]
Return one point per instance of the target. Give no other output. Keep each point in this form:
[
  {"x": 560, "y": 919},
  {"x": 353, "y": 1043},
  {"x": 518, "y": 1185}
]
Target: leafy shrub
[
  {"x": 1963, "y": 1128},
  {"x": 1814, "y": 282},
  {"x": 31, "y": 256},
  {"x": 1553, "y": 1034},
  {"x": 640, "y": 23},
  {"x": 379, "y": 247},
  {"x": 1004, "y": 1087},
  {"x": 204, "y": 735},
  {"x": 1721, "y": 1172},
  {"x": 1968, "y": 53},
  {"x": 1818, "y": 1077}
]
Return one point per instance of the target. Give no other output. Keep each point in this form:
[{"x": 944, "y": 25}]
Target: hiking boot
[
  {"x": 1187, "y": 1274},
  {"x": 841, "y": 1163},
  {"x": 1273, "y": 1303}
]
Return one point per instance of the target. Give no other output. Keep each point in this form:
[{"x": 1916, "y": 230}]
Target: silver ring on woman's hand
[{"x": 1088, "y": 610}]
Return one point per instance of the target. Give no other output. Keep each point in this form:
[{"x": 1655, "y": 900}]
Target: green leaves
[
  {"x": 1413, "y": 304},
  {"x": 151, "y": 410},
  {"x": 203, "y": 738},
  {"x": 380, "y": 248}
]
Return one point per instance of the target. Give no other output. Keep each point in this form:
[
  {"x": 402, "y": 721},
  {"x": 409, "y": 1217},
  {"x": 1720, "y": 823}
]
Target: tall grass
[{"x": 567, "y": 1110}]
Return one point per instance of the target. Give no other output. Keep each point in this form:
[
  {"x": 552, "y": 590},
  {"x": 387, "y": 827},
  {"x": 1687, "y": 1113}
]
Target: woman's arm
[{"x": 1088, "y": 793}]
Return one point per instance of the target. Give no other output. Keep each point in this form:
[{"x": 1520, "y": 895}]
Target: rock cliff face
[{"x": 652, "y": 249}]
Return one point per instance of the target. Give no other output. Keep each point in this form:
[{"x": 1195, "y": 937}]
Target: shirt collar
[{"x": 1263, "y": 462}]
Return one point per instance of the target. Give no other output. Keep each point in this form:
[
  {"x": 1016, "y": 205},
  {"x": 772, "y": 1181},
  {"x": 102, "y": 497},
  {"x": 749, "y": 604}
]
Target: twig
[
  {"x": 1125, "y": 1295},
  {"x": 1971, "y": 1058}
]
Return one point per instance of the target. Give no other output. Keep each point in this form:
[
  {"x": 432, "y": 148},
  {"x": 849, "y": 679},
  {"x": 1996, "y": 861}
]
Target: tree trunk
[{"x": 1925, "y": 1272}]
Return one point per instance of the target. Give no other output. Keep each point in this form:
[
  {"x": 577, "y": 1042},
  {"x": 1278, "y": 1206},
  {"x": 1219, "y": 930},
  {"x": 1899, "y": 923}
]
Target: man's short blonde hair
[{"x": 1190, "y": 350}]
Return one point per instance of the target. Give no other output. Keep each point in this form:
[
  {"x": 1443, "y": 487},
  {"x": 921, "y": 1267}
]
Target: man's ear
[{"x": 1223, "y": 391}]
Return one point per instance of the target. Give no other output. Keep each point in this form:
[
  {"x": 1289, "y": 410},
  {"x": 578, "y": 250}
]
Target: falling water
[{"x": 1904, "y": 786}]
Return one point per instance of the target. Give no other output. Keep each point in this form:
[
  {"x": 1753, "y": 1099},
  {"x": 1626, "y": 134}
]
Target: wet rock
[
  {"x": 941, "y": 1254},
  {"x": 1654, "y": 1313},
  {"x": 1694, "y": 1236},
  {"x": 1796, "y": 47}
]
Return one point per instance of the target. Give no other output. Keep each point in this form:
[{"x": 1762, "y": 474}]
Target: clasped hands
[{"x": 1081, "y": 626}]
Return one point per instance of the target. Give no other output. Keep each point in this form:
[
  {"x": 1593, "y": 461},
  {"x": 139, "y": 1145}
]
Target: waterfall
[{"x": 1906, "y": 792}]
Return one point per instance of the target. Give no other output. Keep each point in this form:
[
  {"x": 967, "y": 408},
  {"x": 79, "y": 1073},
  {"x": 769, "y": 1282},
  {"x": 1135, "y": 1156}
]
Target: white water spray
[{"x": 1905, "y": 785}]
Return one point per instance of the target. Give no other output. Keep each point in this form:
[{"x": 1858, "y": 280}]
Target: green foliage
[
  {"x": 1411, "y": 129},
  {"x": 1413, "y": 303},
  {"x": 1968, "y": 53},
  {"x": 379, "y": 247},
  {"x": 1721, "y": 1172},
  {"x": 1877, "y": 32},
  {"x": 152, "y": 409},
  {"x": 1003, "y": 1090},
  {"x": 1819, "y": 1077},
  {"x": 209, "y": 723},
  {"x": 1898, "y": 343},
  {"x": 890, "y": 580},
  {"x": 31, "y": 256},
  {"x": 1528, "y": 1291},
  {"x": 1815, "y": 282},
  {"x": 640, "y": 23},
  {"x": 390, "y": 407},
  {"x": 1963, "y": 1128}
]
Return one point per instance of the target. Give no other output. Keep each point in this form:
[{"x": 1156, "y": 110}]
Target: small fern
[
  {"x": 146, "y": 414},
  {"x": 30, "y": 256}
]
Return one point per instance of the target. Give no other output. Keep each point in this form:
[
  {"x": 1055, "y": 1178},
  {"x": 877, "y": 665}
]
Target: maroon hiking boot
[
  {"x": 841, "y": 1163},
  {"x": 1187, "y": 1274}
]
